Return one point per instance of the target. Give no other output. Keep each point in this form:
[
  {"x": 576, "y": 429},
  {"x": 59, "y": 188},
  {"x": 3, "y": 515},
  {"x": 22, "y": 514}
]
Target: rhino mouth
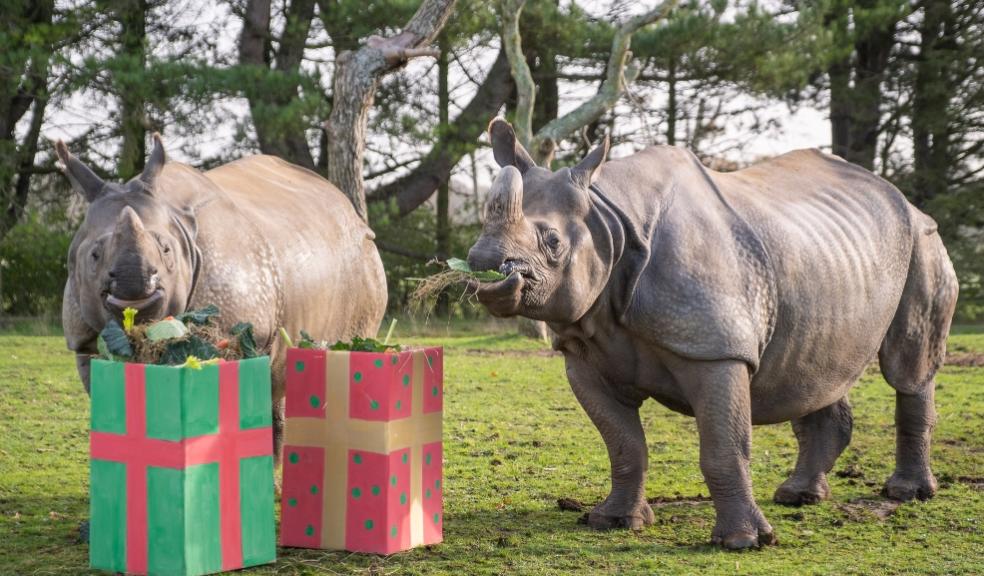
[
  {"x": 504, "y": 297},
  {"x": 149, "y": 302}
]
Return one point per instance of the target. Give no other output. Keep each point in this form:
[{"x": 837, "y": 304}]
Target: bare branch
[
  {"x": 510, "y": 11},
  {"x": 621, "y": 72}
]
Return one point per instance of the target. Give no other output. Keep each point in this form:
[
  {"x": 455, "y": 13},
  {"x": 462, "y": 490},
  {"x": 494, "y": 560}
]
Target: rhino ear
[
  {"x": 154, "y": 164},
  {"x": 83, "y": 179},
  {"x": 506, "y": 149},
  {"x": 586, "y": 171}
]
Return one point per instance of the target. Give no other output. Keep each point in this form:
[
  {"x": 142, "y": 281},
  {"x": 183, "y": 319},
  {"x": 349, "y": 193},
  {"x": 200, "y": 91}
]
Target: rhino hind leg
[
  {"x": 910, "y": 355},
  {"x": 822, "y": 436}
]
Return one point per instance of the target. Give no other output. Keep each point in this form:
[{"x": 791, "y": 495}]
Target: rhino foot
[
  {"x": 905, "y": 487},
  {"x": 608, "y": 517},
  {"x": 798, "y": 492},
  {"x": 749, "y": 530}
]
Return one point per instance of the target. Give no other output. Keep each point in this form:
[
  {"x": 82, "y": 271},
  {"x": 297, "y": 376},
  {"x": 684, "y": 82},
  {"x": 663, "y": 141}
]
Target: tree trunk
[
  {"x": 872, "y": 60},
  {"x": 931, "y": 102},
  {"x": 671, "y": 101},
  {"x": 268, "y": 99},
  {"x": 133, "y": 122},
  {"x": 840, "y": 107},
  {"x": 354, "y": 86},
  {"x": 443, "y": 191},
  {"x": 23, "y": 89}
]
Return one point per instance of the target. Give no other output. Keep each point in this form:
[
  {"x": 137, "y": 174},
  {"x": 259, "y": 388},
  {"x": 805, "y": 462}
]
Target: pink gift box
[{"x": 362, "y": 453}]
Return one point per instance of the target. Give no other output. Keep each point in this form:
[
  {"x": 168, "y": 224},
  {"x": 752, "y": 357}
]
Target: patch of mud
[
  {"x": 514, "y": 353},
  {"x": 570, "y": 505},
  {"x": 850, "y": 471},
  {"x": 861, "y": 509},
  {"x": 964, "y": 359},
  {"x": 975, "y": 482},
  {"x": 678, "y": 500}
]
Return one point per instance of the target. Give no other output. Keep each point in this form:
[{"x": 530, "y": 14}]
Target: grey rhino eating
[
  {"x": 266, "y": 241},
  {"x": 754, "y": 297}
]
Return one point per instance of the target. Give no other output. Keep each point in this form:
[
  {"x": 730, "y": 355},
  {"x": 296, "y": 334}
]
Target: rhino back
[
  {"x": 284, "y": 247},
  {"x": 838, "y": 240}
]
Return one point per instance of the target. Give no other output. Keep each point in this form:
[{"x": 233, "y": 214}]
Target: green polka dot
[
  {"x": 378, "y": 362},
  {"x": 315, "y": 401},
  {"x": 427, "y": 494},
  {"x": 403, "y": 498},
  {"x": 393, "y": 480},
  {"x": 406, "y": 379},
  {"x": 405, "y": 457},
  {"x": 314, "y": 489},
  {"x": 393, "y": 531},
  {"x": 437, "y": 484},
  {"x": 292, "y": 502},
  {"x": 394, "y": 359},
  {"x": 427, "y": 459},
  {"x": 375, "y": 490},
  {"x": 399, "y": 405},
  {"x": 373, "y": 405},
  {"x": 309, "y": 530},
  {"x": 357, "y": 458},
  {"x": 357, "y": 376},
  {"x": 368, "y": 524},
  {"x": 434, "y": 391},
  {"x": 299, "y": 366},
  {"x": 437, "y": 518},
  {"x": 430, "y": 360},
  {"x": 293, "y": 458},
  {"x": 356, "y": 492}
]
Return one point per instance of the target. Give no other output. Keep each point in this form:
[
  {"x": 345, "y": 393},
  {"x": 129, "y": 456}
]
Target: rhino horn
[
  {"x": 505, "y": 204},
  {"x": 129, "y": 226},
  {"x": 506, "y": 148},
  {"x": 586, "y": 170},
  {"x": 154, "y": 164},
  {"x": 83, "y": 179}
]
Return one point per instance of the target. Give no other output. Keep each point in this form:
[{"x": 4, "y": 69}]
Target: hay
[
  {"x": 428, "y": 289},
  {"x": 146, "y": 351}
]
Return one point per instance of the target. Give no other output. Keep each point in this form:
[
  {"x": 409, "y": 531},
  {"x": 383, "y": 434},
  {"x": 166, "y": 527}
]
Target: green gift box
[{"x": 181, "y": 476}]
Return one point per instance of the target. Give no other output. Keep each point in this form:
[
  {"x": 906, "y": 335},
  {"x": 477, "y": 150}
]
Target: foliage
[
  {"x": 515, "y": 442},
  {"x": 174, "y": 341},
  {"x": 364, "y": 345},
  {"x": 33, "y": 267}
]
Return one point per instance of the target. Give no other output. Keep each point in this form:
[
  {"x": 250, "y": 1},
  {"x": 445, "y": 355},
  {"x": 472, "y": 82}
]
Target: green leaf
[
  {"x": 243, "y": 332},
  {"x": 459, "y": 265},
  {"x": 364, "y": 345},
  {"x": 177, "y": 351},
  {"x": 306, "y": 341},
  {"x": 113, "y": 342},
  {"x": 200, "y": 316},
  {"x": 166, "y": 330}
]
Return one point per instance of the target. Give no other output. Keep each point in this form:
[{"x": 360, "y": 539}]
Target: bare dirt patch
[
  {"x": 967, "y": 359},
  {"x": 861, "y": 509}
]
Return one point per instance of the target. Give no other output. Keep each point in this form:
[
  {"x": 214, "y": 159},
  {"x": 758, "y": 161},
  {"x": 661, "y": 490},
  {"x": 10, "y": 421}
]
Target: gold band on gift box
[{"x": 337, "y": 434}]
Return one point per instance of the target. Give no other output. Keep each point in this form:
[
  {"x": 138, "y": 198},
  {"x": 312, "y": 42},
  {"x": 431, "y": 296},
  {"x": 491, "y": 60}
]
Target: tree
[{"x": 28, "y": 38}]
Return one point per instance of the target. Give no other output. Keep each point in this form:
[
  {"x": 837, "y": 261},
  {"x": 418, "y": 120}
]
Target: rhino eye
[
  {"x": 94, "y": 254},
  {"x": 552, "y": 239}
]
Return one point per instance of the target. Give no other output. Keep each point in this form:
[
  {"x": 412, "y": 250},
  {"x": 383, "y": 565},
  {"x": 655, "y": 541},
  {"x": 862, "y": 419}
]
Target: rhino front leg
[
  {"x": 82, "y": 364},
  {"x": 822, "y": 436},
  {"x": 720, "y": 398},
  {"x": 621, "y": 429}
]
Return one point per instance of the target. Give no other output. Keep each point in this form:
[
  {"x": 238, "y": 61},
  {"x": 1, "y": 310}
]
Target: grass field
[{"x": 515, "y": 442}]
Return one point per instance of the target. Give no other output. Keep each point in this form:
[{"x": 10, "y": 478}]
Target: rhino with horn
[
  {"x": 266, "y": 241},
  {"x": 753, "y": 297}
]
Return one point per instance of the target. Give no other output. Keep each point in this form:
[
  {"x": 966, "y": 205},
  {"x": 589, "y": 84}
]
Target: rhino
[
  {"x": 266, "y": 241},
  {"x": 752, "y": 297}
]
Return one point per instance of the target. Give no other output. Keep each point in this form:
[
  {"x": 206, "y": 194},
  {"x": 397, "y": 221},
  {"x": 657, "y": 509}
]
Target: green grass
[{"x": 516, "y": 441}]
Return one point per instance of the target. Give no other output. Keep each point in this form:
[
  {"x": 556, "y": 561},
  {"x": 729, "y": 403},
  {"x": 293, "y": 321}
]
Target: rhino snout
[{"x": 482, "y": 258}]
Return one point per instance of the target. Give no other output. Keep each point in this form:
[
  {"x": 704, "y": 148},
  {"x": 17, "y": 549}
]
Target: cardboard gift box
[
  {"x": 181, "y": 477},
  {"x": 363, "y": 455}
]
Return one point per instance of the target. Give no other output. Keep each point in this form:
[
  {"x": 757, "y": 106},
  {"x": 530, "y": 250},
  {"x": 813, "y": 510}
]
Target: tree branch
[
  {"x": 509, "y": 11},
  {"x": 620, "y": 74},
  {"x": 416, "y": 187},
  {"x": 357, "y": 75}
]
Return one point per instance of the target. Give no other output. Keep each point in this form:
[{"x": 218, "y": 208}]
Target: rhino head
[
  {"x": 544, "y": 232},
  {"x": 132, "y": 250}
]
